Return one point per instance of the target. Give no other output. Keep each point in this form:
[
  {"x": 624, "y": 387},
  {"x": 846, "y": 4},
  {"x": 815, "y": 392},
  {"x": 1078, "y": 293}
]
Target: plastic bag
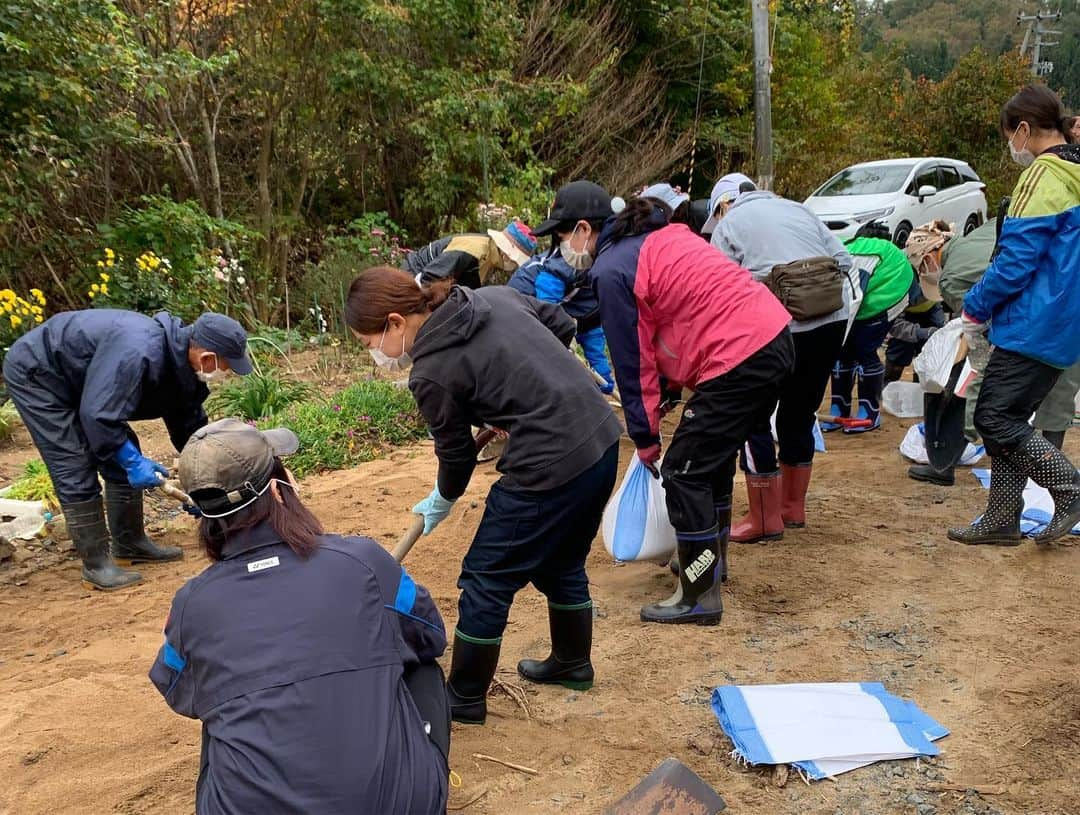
[
  {"x": 636, "y": 525},
  {"x": 903, "y": 399},
  {"x": 935, "y": 363},
  {"x": 913, "y": 447}
]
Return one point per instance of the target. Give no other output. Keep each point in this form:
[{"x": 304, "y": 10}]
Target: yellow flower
[
  {"x": 39, "y": 319},
  {"x": 36, "y": 310},
  {"x": 7, "y": 295},
  {"x": 104, "y": 278},
  {"x": 90, "y": 294},
  {"x": 109, "y": 253},
  {"x": 104, "y": 289},
  {"x": 95, "y": 288},
  {"x": 15, "y": 321},
  {"x": 101, "y": 264},
  {"x": 36, "y": 294},
  {"x": 109, "y": 263},
  {"x": 8, "y": 307}
]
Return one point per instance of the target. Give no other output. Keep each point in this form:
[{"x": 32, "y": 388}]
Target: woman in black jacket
[{"x": 498, "y": 357}]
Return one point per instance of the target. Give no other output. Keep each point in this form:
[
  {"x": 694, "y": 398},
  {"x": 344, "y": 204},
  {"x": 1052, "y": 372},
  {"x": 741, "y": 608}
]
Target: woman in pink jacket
[{"x": 676, "y": 309}]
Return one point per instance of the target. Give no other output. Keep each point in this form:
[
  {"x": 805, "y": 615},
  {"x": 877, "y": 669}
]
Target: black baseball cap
[
  {"x": 226, "y": 338},
  {"x": 577, "y": 201}
]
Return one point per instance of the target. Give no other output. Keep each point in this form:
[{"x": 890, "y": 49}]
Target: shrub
[
  {"x": 371, "y": 240},
  {"x": 355, "y": 425},
  {"x": 18, "y": 315},
  {"x": 34, "y": 485},
  {"x": 9, "y": 420},
  {"x": 256, "y": 396}
]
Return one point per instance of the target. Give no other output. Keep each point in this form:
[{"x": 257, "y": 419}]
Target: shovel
[{"x": 670, "y": 789}]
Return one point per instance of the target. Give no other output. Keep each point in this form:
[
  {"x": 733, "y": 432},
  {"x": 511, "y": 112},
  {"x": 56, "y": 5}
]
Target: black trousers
[
  {"x": 699, "y": 465},
  {"x": 541, "y": 538},
  {"x": 816, "y": 353},
  {"x": 427, "y": 686},
  {"x": 1013, "y": 387},
  {"x": 902, "y": 352}
]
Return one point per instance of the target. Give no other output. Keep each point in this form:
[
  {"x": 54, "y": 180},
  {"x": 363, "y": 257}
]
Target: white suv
[{"x": 902, "y": 194}]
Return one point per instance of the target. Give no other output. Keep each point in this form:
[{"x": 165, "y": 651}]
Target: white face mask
[
  {"x": 216, "y": 375},
  {"x": 579, "y": 260},
  {"x": 251, "y": 501},
  {"x": 384, "y": 360},
  {"x": 1022, "y": 156}
]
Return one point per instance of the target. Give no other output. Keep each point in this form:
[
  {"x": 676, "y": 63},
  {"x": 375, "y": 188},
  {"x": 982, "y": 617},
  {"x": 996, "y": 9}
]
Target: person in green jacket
[{"x": 888, "y": 282}]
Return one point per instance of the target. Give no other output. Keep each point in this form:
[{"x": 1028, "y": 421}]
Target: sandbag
[
  {"x": 636, "y": 525},
  {"x": 935, "y": 363},
  {"x": 913, "y": 447}
]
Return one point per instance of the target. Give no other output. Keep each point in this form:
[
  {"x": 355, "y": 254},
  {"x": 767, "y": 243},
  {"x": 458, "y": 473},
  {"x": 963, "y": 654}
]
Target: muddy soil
[{"x": 985, "y": 640}]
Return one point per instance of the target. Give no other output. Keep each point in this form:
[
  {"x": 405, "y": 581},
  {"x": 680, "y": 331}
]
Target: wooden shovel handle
[{"x": 411, "y": 536}]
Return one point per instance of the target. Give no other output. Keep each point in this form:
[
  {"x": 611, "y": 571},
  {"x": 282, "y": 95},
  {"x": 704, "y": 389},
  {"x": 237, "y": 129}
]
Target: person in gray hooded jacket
[
  {"x": 761, "y": 231},
  {"x": 558, "y": 468}
]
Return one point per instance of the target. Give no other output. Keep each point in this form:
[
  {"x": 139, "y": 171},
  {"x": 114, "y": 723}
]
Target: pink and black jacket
[{"x": 675, "y": 307}]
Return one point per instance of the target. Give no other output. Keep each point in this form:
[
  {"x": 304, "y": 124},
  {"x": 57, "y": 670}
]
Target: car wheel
[
  {"x": 903, "y": 232},
  {"x": 972, "y": 223}
]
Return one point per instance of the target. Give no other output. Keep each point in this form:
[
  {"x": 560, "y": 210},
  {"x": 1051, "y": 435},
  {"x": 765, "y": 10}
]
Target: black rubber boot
[
  {"x": 1055, "y": 437},
  {"x": 697, "y": 600},
  {"x": 925, "y": 472},
  {"x": 1048, "y": 467},
  {"x": 472, "y": 668},
  {"x": 124, "y": 506},
  {"x": 86, "y": 525},
  {"x": 571, "y": 644},
  {"x": 1000, "y": 524},
  {"x": 843, "y": 378}
]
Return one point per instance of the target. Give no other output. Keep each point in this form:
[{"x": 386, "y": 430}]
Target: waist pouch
[{"x": 808, "y": 288}]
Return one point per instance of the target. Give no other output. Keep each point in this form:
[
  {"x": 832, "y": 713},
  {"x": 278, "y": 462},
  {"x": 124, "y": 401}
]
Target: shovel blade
[{"x": 670, "y": 789}]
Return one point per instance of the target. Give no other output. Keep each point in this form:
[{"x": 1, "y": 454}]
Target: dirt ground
[{"x": 984, "y": 639}]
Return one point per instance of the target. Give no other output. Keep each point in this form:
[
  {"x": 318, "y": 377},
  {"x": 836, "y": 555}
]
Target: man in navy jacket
[{"x": 78, "y": 380}]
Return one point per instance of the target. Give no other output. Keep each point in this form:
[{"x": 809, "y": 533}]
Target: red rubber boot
[
  {"x": 796, "y": 480},
  {"x": 763, "y": 522}
]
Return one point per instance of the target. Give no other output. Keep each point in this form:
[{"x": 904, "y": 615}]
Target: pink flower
[
  {"x": 349, "y": 434},
  {"x": 337, "y": 408},
  {"x": 222, "y": 262},
  {"x": 365, "y": 418},
  {"x": 378, "y": 233},
  {"x": 220, "y": 275}
]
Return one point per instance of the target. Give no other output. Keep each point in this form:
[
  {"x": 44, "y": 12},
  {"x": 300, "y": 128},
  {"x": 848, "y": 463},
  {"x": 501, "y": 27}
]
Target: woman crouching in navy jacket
[{"x": 309, "y": 658}]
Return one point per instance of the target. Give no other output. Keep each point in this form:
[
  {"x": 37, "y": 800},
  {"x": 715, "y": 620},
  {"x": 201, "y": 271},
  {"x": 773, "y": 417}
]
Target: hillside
[{"x": 934, "y": 34}]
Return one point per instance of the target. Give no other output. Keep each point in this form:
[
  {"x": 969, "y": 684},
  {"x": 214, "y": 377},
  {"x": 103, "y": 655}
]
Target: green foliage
[
  {"x": 371, "y": 240},
  {"x": 355, "y": 425},
  {"x": 255, "y": 396},
  {"x": 9, "y": 421},
  {"x": 34, "y": 485}
]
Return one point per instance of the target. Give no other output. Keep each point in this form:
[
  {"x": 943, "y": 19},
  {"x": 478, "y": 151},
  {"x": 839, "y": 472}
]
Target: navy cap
[{"x": 226, "y": 338}]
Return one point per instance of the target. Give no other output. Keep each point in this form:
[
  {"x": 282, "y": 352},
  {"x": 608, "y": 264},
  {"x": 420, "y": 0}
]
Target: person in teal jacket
[
  {"x": 888, "y": 283},
  {"x": 1029, "y": 300}
]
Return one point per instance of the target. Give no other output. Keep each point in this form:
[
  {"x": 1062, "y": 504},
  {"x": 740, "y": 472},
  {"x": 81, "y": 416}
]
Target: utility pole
[
  {"x": 1034, "y": 41},
  {"x": 763, "y": 143}
]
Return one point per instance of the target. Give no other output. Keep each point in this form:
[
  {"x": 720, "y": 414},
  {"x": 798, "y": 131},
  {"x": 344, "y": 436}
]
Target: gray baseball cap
[
  {"x": 226, "y": 338},
  {"x": 233, "y": 461}
]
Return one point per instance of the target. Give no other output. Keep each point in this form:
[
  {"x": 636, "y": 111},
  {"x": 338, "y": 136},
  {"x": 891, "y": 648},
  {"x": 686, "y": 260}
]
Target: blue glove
[
  {"x": 142, "y": 473},
  {"x": 192, "y": 510},
  {"x": 608, "y": 387},
  {"x": 434, "y": 508}
]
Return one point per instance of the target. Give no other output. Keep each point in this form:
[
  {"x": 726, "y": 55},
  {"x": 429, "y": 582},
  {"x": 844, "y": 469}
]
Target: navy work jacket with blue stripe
[{"x": 295, "y": 668}]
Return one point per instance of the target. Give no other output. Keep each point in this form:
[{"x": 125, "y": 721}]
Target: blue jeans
[{"x": 541, "y": 538}]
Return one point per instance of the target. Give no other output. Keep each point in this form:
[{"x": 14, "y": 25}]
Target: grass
[
  {"x": 358, "y": 424},
  {"x": 256, "y": 396},
  {"x": 34, "y": 485}
]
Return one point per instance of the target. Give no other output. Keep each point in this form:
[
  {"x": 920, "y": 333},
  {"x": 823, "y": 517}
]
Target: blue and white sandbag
[{"x": 636, "y": 525}]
